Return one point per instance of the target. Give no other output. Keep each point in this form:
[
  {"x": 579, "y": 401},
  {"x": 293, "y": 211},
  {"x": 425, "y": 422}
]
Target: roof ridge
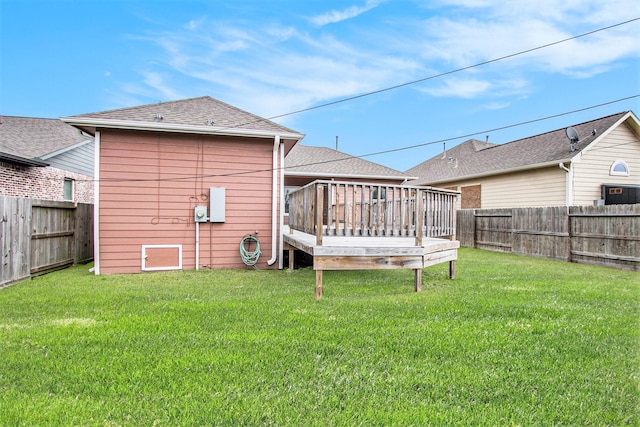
[{"x": 150, "y": 104}]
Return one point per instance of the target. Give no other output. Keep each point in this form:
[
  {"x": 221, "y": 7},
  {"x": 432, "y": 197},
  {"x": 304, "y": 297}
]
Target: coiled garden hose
[{"x": 248, "y": 256}]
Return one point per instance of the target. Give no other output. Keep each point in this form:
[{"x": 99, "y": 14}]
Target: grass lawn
[{"x": 511, "y": 341}]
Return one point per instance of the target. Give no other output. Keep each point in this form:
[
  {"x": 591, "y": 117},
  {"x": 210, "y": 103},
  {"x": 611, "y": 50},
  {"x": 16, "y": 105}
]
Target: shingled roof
[
  {"x": 27, "y": 140},
  {"x": 203, "y": 115},
  {"x": 474, "y": 158},
  {"x": 304, "y": 160}
]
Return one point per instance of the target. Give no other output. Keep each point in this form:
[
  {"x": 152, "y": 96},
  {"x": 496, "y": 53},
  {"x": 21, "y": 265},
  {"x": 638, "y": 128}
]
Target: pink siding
[{"x": 151, "y": 182}]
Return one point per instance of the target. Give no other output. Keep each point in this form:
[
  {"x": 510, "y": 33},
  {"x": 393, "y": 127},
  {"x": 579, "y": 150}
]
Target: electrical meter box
[
  {"x": 200, "y": 214},
  {"x": 217, "y": 204}
]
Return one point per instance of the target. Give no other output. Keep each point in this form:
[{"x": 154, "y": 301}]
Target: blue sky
[{"x": 274, "y": 57}]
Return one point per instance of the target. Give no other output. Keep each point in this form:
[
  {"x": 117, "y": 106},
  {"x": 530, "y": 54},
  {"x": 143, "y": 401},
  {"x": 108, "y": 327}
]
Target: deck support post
[
  {"x": 418, "y": 279},
  {"x": 452, "y": 269},
  {"x": 318, "y": 284},
  {"x": 291, "y": 255}
]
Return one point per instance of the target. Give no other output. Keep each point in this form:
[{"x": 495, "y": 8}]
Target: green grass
[{"x": 511, "y": 341}]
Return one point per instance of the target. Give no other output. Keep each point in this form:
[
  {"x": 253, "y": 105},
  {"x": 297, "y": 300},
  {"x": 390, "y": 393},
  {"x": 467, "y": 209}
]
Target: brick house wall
[{"x": 44, "y": 183}]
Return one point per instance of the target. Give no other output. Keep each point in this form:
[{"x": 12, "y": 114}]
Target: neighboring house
[
  {"x": 159, "y": 166},
  {"x": 45, "y": 159},
  {"x": 305, "y": 164},
  {"x": 544, "y": 170}
]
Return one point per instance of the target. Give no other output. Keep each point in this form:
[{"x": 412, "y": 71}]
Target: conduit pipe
[
  {"x": 274, "y": 201},
  {"x": 197, "y": 245}
]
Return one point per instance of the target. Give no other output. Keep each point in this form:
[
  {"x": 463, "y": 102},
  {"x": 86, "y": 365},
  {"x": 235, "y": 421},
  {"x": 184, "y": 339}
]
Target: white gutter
[
  {"x": 169, "y": 127},
  {"x": 281, "y": 263},
  {"x": 96, "y": 205},
  {"x": 274, "y": 201},
  {"x": 501, "y": 172},
  {"x": 568, "y": 182}
]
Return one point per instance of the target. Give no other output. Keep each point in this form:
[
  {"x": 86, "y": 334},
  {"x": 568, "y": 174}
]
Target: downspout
[
  {"x": 96, "y": 204},
  {"x": 568, "y": 182},
  {"x": 274, "y": 202},
  {"x": 280, "y": 264}
]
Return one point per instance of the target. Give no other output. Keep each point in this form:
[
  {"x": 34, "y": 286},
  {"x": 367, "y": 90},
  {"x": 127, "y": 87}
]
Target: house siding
[
  {"x": 591, "y": 170},
  {"x": 78, "y": 160},
  {"x": 151, "y": 182},
  {"x": 533, "y": 188}
]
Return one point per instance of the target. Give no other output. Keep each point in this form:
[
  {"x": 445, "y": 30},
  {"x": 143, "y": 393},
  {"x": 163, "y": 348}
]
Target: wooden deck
[{"x": 373, "y": 252}]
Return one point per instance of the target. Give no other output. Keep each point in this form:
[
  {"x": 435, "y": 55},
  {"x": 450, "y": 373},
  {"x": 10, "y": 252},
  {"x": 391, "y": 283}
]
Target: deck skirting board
[{"x": 371, "y": 253}]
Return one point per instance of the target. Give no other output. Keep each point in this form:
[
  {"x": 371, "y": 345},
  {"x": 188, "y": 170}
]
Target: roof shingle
[
  {"x": 201, "y": 111},
  {"x": 30, "y": 137},
  {"x": 475, "y": 158},
  {"x": 332, "y": 163}
]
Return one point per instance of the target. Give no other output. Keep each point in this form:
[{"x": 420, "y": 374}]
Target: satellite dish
[{"x": 572, "y": 134}]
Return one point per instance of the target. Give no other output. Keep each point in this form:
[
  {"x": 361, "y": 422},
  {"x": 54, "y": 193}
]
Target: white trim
[
  {"x": 613, "y": 172},
  {"x": 169, "y": 127},
  {"x": 503, "y": 171},
  {"x": 326, "y": 175},
  {"x": 168, "y": 267},
  {"x": 96, "y": 205},
  {"x": 66, "y": 149},
  {"x": 607, "y": 131}
]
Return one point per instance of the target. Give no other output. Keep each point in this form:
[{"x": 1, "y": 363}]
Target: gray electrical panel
[
  {"x": 217, "y": 204},
  {"x": 200, "y": 214}
]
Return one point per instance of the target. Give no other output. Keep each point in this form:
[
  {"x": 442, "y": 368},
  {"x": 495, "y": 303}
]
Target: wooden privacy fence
[
  {"x": 365, "y": 209},
  {"x": 603, "y": 235},
  {"x": 40, "y": 236}
]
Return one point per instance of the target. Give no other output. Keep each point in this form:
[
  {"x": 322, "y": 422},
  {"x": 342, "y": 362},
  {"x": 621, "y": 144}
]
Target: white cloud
[
  {"x": 342, "y": 15},
  {"x": 272, "y": 69}
]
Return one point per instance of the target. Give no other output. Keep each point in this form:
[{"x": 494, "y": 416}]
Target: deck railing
[{"x": 338, "y": 208}]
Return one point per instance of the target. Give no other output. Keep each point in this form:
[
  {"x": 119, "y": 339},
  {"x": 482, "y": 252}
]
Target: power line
[
  {"x": 457, "y": 70},
  {"x": 408, "y": 147},
  {"x": 500, "y": 128}
]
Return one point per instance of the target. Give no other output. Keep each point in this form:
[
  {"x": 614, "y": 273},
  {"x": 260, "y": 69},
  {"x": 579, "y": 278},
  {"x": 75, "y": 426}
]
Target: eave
[
  {"x": 503, "y": 171},
  {"x": 325, "y": 175},
  {"x": 90, "y": 125},
  {"x": 21, "y": 161}
]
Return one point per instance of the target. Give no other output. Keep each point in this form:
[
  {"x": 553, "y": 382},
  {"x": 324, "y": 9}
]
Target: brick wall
[{"x": 44, "y": 183}]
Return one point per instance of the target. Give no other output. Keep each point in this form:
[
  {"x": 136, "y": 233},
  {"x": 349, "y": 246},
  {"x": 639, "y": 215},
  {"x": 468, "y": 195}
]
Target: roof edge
[
  {"x": 345, "y": 175},
  {"x": 66, "y": 149},
  {"x": 22, "y": 161},
  {"x": 167, "y": 127},
  {"x": 506, "y": 171}
]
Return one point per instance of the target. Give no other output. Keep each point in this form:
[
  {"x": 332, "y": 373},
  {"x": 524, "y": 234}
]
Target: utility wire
[
  {"x": 540, "y": 119},
  {"x": 408, "y": 147},
  {"x": 457, "y": 70}
]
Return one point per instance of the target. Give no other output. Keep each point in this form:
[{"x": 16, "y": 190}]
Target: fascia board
[
  {"x": 505, "y": 171},
  {"x": 169, "y": 127},
  {"x": 66, "y": 149},
  {"x": 607, "y": 131},
  {"x": 10, "y": 158},
  {"x": 344, "y": 175}
]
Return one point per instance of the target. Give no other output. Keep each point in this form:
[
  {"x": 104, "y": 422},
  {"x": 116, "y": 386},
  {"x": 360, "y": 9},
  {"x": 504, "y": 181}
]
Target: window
[
  {"x": 287, "y": 190},
  {"x": 619, "y": 168},
  {"x": 68, "y": 189}
]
